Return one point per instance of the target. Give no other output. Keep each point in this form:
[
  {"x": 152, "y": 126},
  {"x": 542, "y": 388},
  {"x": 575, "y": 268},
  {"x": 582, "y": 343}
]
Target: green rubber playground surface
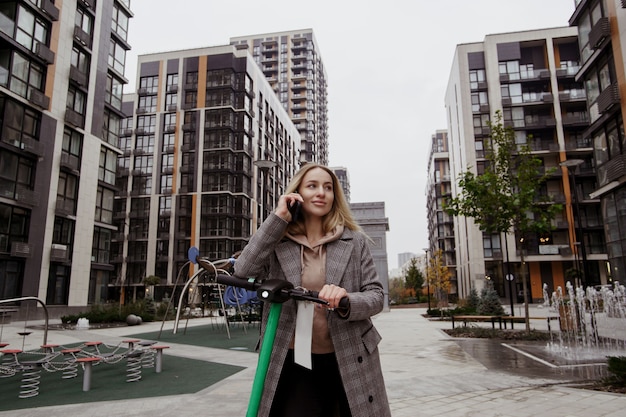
[
  {"x": 108, "y": 380},
  {"x": 108, "y": 383},
  {"x": 212, "y": 336}
]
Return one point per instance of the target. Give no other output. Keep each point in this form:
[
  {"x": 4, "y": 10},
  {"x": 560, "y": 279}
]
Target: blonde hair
[{"x": 339, "y": 214}]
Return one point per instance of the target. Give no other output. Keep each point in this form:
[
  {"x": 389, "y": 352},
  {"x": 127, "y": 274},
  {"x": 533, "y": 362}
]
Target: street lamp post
[{"x": 571, "y": 165}]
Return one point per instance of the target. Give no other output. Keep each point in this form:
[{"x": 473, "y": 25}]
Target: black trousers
[{"x": 316, "y": 392}]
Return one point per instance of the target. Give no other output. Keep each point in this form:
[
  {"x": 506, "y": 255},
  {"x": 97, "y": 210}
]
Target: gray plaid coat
[{"x": 349, "y": 264}]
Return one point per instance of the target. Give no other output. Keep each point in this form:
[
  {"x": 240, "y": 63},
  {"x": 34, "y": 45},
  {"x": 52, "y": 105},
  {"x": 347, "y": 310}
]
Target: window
[
  {"x": 101, "y": 245},
  {"x": 220, "y": 118},
  {"x": 216, "y": 98},
  {"x": 15, "y": 172},
  {"x": 165, "y": 205},
  {"x": 148, "y": 104},
  {"x": 491, "y": 246},
  {"x": 510, "y": 68},
  {"x": 117, "y": 57},
  {"x": 166, "y": 184},
  {"x": 170, "y": 101},
  {"x": 221, "y": 77},
  {"x": 143, "y": 165},
  {"x": 19, "y": 123},
  {"x": 80, "y": 60},
  {"x": 169, "y": 121},
  {"x": 140, "y": 206},
  {"x": 72, "y": 146},
  {"x": 30, "y": 30},
  {"x": 172, "y": 81},
  {"x": 104, "y": 205},
  {"x": 24, "y": 75},
  {"x": 67, "y": 193},
  {"x": 76, "y": 100},
  {"x": 477, "y": 78},
  {"x": 14, "y": 224},
  {"x": 108, "y": 162},
  {"x": 191, "y": 98},
  {"x": 513, "y": 92},
  {"x": 167, "y": 162},
  {"x": 84, "y": 21},
  {"x": 110, "y": 127},
  {"x": 146, "y": 124},
  {"x": 114, "y": 92},
  {"x": 58, "y": 284},
  {"x": 479, "y": 99},
  {"x": 142, "y": 185},
  {"x": 145, "y": 143},
  {"x": 191, "y": 79},
  {"x": 149, "y": 84},
  {"x": 169, "y": 141},
  {"x": 119, "y": 23}
]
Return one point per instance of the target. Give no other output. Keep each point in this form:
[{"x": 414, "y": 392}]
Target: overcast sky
[{"x": 387, "y": 62}]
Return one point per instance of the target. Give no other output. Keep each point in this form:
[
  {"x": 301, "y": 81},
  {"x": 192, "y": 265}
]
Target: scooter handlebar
[{"x": 253, "y": 285}]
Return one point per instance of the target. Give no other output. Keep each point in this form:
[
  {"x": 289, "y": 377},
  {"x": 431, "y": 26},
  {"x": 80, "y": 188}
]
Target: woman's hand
[
  {"x": 333, "y": 294},
  {"x": 282, "y": 208}
]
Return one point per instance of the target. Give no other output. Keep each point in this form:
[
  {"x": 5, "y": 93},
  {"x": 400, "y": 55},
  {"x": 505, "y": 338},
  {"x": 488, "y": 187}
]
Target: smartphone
[{"x": 294, "y": 209}]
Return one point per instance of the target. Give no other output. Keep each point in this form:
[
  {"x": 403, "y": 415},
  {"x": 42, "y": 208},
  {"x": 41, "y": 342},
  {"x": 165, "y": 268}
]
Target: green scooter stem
[{"x": 264, "y": 359}]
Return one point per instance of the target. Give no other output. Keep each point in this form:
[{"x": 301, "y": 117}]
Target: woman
[{"x": 323, "y": 250}]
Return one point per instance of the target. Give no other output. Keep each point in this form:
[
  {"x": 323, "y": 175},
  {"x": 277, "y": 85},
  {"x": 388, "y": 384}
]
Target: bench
[
  {"x": 466, "y": 319},
  {"x": 501, "y": 320}
]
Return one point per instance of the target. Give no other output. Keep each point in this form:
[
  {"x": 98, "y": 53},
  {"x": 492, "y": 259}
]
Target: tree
[
  {"x": 396, "y": 287},
  {"x": 413, "y": 277},
  {"x": 489, "y": 303},
  {"x": 438, "y": 277},
  {"x": 505, "y": 197}
]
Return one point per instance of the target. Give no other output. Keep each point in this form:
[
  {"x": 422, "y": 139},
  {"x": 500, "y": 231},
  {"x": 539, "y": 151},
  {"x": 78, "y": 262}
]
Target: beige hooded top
[{"x": 313, "y": 261}]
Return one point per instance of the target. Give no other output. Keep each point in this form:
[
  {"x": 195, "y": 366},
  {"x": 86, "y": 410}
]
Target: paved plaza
[{"x": 427, "y": 373}]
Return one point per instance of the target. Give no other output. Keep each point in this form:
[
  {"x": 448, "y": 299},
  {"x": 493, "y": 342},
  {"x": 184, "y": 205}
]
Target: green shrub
[
  {"x": 112, "y": 313},
  {"x": 616, "y": 365}
]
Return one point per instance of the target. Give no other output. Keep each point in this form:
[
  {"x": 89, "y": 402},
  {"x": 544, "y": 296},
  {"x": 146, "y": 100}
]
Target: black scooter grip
[
  {"x": 343, "y": 303},
  {"x": 232, "y": 281}
]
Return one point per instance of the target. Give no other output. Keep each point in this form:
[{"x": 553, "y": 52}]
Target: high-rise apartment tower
[{"x": 292, "y": 63}]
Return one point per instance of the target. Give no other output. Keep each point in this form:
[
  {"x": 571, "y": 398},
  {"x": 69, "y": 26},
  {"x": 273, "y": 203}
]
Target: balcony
[
  {"x": 39, "y": 99},
  {"x": 32, "y": 146},
  {"x": 64, "y": 207},
  {"x": 82, "y": 37},
  {"x": 70, "y": 162},
  {"x": 78, "y": 76},
  {"x": 50, "y": 10},
  {"x": 21, "y": 249},
  {"x": 608, "y": 98},
  {"x": 616, "y": 167},
  {"x": 74, "y": 118},
  {"x": 26, "y": 196},
  {"x": 59, "y": 253},
  {"x": 599, "y": 32},
  {"x": 43, "y": 52}
]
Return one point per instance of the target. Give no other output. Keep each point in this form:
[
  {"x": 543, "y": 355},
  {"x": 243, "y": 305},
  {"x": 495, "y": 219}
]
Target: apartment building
[
  {"x": 344, "y": 179},
  {"x": 601, "y": 26},
  {"x": 206, "y": 151},
  {"x": 61, "y": 81},
  {"x": 532, "y": 77},
  {"x": 292, "y": 63},
  {"x": 371, "y": 218},
  {"x": 441, "y": 234}
]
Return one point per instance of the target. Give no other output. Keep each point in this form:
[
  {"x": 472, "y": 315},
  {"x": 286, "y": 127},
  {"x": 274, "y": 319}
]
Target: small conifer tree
[{"x": 490, "y": 304}]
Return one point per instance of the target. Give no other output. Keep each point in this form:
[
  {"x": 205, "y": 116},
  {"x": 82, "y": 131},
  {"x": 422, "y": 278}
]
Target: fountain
[
  {"x": 593, "y": 322},
  {"x": 82, "y": 323}
]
